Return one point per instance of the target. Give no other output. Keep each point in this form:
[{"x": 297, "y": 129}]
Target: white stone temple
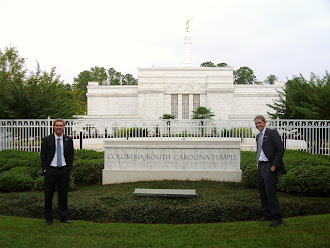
[{"x": 179, "y": 91}]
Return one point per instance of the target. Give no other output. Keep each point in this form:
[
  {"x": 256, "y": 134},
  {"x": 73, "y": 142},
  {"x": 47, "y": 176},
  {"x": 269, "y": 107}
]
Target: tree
[
  {"x": 244, "y": 75},
  {"x": 11, "y": 65},
  {"x": 168, "y": 116},
  {"x": 13, "y": 100},
  {"x": 114, "y": 77},
  {"x": 271, "y": 79},
  {"x": 211, "y": 64},
  {"x": 307, "y": 100},
  {"x": 80, "y": 89},
  {"x": 222, "y": 65},
  {"x": 39, "y": 95},
  {"x": 99, "y": 74},
  {"x": 82, "y": 80},
  {"x": 302, "y": 99},
  {"x": 129, "y": 79},
  {"x": 202, "y": 113},
  {"x": 49, "y": 96},
  {"x": 79, "y": 97},
  {"x": 207, "y": 64}
]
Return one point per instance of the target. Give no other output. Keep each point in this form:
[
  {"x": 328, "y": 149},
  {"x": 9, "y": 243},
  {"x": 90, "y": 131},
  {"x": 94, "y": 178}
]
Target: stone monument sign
[{"x": 134, "y": 160}]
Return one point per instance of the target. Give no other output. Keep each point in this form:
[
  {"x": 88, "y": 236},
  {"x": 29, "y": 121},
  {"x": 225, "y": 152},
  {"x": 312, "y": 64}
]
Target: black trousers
[
  {"x": 267, "y": 182},
  {"x": 59, "y": 177}
]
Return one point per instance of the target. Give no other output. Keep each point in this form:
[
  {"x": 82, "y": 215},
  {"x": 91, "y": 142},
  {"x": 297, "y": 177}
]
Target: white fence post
[
  {"x": 49, "y": 126},
  {"x": 104, "y": 129}
]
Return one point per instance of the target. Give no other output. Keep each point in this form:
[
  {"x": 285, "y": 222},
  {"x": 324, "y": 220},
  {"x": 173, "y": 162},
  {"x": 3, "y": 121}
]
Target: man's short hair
[
  {"x": 59, "y": 120},
  {"x": 260, "y": 117}
]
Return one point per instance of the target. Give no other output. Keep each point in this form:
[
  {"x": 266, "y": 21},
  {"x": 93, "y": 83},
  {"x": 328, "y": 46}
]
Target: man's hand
[{"x": 273, "y": 168}]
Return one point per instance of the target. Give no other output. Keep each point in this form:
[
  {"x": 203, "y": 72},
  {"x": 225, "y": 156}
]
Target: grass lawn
[{"x": 306, "y": 231}]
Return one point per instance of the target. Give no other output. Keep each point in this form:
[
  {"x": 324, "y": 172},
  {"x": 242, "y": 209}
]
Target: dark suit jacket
[
  {"x": 48, "y": 151},
  {"x": 273, "y": 148}
]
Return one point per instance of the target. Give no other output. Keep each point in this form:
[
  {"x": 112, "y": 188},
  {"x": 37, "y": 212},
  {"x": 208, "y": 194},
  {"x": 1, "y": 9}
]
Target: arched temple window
[
  {"x": 185, "y": 106},
  {"x": 196, "y": 101},
  {"x": 174, "y": 106}
]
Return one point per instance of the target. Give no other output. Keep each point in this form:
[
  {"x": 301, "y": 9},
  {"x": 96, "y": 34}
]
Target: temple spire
[{"x": 187, "y": 44}]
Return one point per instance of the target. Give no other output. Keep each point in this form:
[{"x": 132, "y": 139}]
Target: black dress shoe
[
  {"x": 264, "y": 219},
  {"x": 49, "y": 222},
  {"x": 276, "y": 223},
  {"x": 66, "y": 221}
]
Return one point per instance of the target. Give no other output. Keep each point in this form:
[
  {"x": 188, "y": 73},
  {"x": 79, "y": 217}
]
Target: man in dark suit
[
  {"x": 270, "y": 152},
  {"x": 56, "y": 159}
]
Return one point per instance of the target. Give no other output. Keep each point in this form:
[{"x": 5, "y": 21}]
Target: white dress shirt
[
  {"x": 54, "y": 161},
  {"x": 262, "y": 156}
]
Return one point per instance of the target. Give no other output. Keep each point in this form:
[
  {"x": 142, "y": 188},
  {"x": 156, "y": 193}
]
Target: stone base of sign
[
  {"x": 133, "y": 161},
  {"x": 113, "y": 176}
]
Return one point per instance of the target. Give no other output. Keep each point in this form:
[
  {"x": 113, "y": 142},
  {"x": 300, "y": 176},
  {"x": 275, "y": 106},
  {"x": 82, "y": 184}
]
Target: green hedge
[
  {"x": 12, "y": 158},
  {"x": 87, "y": 168},
  {"x": 216, "y": 202},
  {"x": 308, "y": 180},
  {"x": 307, "y": 174},
  {"x": 299, "y": 158},
  {"x": 17, "y": 179},
  {"x": 88, "y": 154},
  {"x": 38, "y": 183},
  {"x": 87, "y": 171}
]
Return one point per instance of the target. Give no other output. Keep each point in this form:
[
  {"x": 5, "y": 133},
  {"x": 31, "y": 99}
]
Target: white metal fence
[{"x": 308, "y": 135}]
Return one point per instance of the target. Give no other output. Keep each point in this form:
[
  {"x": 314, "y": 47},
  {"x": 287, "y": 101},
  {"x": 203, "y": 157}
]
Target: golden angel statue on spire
[{"x": 187, "y": 24}]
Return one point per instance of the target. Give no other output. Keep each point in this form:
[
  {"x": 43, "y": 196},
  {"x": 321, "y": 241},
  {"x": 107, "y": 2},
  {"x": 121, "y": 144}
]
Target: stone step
[{"x": 165, "y": 192}]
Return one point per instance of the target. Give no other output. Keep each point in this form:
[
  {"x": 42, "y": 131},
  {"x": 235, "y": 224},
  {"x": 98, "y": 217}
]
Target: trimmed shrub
[
  {"x": 308, "y": 174},
  {"x": 12, "y": 158},
  {"x": 299, "y": 158},
  {"x": 88, "y": 171},
  {"x": 16, "y": 179},
  {"x": 29, "y": 165},
  {"x": 88, "y": 154},
  {"x": 249, "y": 169},
  {"x": 249, "y": 176},
  {"x": 216, "y": 202},
  {"x": 248, "y": 159},
  {"x": 308, "y": 180},
  {"x": 38, "y": 183},
  {"x": 93, "y": 211}
]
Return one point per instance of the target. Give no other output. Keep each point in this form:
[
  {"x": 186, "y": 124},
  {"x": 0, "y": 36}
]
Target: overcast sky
[{"x": 281, "y": 37}]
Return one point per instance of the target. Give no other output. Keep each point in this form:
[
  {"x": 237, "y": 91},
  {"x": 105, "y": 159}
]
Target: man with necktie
[
  {"x": 270, "y": 152},
  {"x": 56, "y": 160}
]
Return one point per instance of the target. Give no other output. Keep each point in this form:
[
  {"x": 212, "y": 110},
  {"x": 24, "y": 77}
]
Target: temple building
[{"x": 179, "y": 91}]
